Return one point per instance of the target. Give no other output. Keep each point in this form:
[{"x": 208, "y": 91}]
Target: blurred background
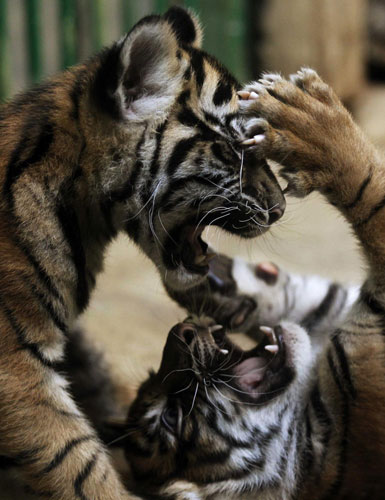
[{"x": 343, "y": 40}]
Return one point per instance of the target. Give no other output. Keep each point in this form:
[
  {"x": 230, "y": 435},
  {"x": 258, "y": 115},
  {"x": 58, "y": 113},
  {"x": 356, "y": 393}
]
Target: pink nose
[{"x": 275, "y": 214}]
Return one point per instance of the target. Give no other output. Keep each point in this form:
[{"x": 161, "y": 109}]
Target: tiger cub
[
  {"x": 301, "y": 415},
  {"x": 143, "y": 138}
]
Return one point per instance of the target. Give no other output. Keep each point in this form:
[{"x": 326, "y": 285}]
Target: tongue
[{"x": 251, "y": 372}]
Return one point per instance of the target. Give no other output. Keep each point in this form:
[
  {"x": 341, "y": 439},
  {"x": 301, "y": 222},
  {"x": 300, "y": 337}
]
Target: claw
[
  {"x": 243, "y": 94},
  {"x": 254, "y": 140}
]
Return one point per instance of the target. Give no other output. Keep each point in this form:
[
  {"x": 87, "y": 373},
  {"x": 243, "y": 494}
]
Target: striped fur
[
  {"x": 310, "y": 425},
  {"x": 143, "y": 138}
]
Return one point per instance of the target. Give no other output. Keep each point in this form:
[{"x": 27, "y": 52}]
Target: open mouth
[
  {"x": 194, "y": 251},
  {"x": 258, "y": 373},
  {"x": 194, "y": 254}
]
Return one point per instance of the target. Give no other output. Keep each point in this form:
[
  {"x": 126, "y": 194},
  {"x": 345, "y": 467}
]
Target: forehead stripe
[{"x": 223, "y": 93}]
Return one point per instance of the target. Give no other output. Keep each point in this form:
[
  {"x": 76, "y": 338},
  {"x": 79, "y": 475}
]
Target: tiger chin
[{"x": 300, "y": 415}]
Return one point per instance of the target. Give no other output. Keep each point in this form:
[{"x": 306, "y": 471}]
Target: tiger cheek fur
[
  {"x": 143, "y": 138},
  {"x": 175, "y": 164}
]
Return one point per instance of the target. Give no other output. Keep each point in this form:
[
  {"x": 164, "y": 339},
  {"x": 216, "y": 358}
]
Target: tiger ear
[
  {"x": 185, "y": 25},
  {"x": 140, "y": 76}
]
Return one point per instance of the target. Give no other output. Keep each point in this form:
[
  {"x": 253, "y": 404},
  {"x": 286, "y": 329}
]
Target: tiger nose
[
  {"x": 184, "y": 332},
  {"x": 275, "y": 214}
]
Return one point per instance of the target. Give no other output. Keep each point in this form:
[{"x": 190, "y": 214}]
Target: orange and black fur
[
  {"x": 301, "y": 415},
  {"x": 144, "y": 138}
]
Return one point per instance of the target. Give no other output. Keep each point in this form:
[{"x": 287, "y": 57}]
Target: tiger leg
[
  {"x": 304, "y": 126},
  {"x": 242, "y": 296},
  {"x": 43, "y": 433}
]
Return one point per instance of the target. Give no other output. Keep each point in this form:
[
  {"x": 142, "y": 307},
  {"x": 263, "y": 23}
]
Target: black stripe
[
  {"x": 71, "y": 231},
  {"x": 372, "y": 213},
  {"x": 316, "y": 315},
  {"x": 197, "y": 65},
  {"x": 82, "y": 476},
  {"x": 217, "y": 151},
  {"x": 155, "y": 158},
  {"x": 182, "y": 183},
  {"x": 75, "y": 94},
  {"x": 308, "y": 451},
  {"x": 180, "y": 152},
  {"x": 47, "y": 305},
  {"x": 16, "y": 166},
  {"x": 360, "y": 192},
  {"x": 324, "y": 419},
  {"x": 41, "y": 273},
  {"x": 335, "y": 488},
  {"x": 237, "y": 474},
  {"x": 60, "y": 455},
  {"x": 372, "y": 303},
  {"x": 223, "y": 93},
  {"x": 344, "y": 365},
  {"x": 32, "y": 347},
  {"x": 188, "y": 118}
]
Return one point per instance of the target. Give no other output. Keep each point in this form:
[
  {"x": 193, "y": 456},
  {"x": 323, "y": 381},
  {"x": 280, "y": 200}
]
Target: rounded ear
[
  {"x": 140, "y": 76},
  {"x": 185, "y": 25}
]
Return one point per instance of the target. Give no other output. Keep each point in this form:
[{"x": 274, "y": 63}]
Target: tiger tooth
[
  {"x": 269, "y": 332},
  {"x": 200, "y": 260},
  {"x": 272, "y": 348},
  {"x": 224, "y": 351},
  {"x": 266, "y": 329},
  {"x": 215, "y": 328}
]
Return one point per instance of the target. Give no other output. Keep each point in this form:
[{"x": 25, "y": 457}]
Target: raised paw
[
  {"x": 237, "y": 294},
  {"x": 301, "y": 124}
]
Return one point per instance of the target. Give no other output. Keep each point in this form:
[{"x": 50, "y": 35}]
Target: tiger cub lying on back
[{"x": 289, "y": 419}]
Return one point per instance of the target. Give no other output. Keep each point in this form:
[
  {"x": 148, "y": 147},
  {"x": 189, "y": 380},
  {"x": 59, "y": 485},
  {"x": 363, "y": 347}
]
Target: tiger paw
[
  {"x": 301, "y": 124},
  {"x": 237, "y": 294}
]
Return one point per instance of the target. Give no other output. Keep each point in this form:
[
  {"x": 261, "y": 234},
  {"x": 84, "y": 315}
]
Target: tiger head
[
  {"x": 176, "y": 165},
  {"x": 218, "y": 417}
]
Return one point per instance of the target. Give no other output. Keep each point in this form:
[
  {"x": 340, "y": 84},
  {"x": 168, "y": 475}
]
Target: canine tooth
[
  {"x": 200, "y": 260},
  {"x": 224, "y": 351},
  {"x": 215, "y": 328},
  {"x": 269, "y": 332},
  {"x": 272, "y": 348},
  {"x": 266, "y": 329}
]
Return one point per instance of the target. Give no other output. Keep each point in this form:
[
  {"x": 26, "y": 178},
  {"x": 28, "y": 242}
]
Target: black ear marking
[{"x": 182, "y": 24}]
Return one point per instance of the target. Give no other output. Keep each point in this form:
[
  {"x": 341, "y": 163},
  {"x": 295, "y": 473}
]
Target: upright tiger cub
[
  {"x": 143, "y": 138},
  {"x": 299, "y": 416}
]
